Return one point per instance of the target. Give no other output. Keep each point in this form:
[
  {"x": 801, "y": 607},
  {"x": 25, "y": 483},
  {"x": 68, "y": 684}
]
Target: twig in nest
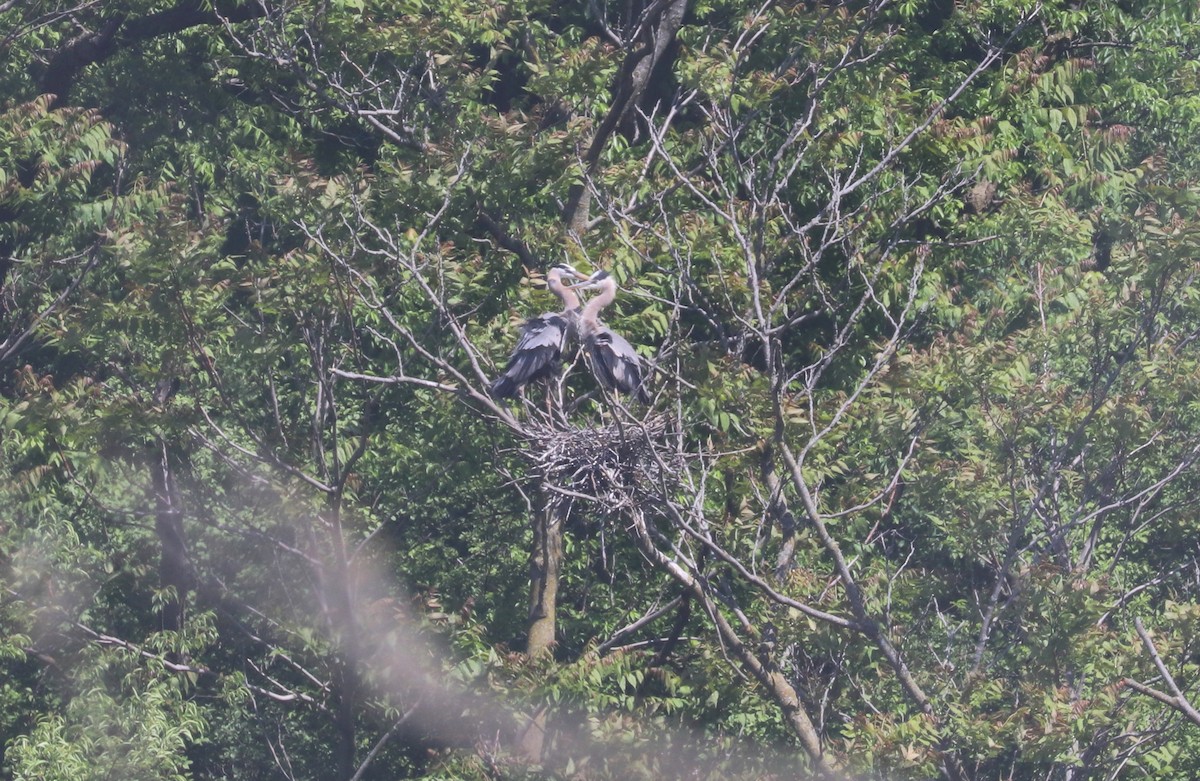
[{"x": 606, "y": 462}]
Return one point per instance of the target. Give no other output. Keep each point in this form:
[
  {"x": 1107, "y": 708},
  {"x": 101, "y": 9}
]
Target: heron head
[
  {"x": 567, "y": 270},
  {"x": 595, "y": 280}
]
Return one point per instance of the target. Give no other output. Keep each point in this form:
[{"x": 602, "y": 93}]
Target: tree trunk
[
  {"x": 545, "y": 563},
  {"x": 645, "y": 54}
]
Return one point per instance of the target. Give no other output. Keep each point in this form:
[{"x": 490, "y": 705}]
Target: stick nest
[{"x": 613, "y": 463}]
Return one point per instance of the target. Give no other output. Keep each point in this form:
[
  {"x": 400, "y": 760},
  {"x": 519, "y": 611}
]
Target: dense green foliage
[{"x": 916, "y": 495}]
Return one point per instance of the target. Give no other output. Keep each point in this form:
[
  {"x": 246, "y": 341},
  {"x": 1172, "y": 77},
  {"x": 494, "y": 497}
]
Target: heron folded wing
[
  {"x": 617, "y": 364},
  {"x": 538, "y": 354}
]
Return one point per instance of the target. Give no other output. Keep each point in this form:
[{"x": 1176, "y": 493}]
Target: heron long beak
[{"x": 585, "y": 281}]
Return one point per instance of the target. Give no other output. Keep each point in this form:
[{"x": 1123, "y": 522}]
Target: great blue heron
[
  {"x": 614, "y": 361},
  {"x": 538, "y": 353}
]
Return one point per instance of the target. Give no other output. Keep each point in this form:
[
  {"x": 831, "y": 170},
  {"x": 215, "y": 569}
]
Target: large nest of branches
[{"x": 615, "y": 462}]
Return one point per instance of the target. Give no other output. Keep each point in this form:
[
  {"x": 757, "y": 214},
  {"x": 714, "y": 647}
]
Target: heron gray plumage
[
  {"x": 614, "y": 361},
  {"x": 538, "y": 353}
]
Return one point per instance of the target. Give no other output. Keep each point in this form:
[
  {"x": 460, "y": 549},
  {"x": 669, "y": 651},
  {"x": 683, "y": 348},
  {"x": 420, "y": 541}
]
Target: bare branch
[{"x": 1176, "y": 699}]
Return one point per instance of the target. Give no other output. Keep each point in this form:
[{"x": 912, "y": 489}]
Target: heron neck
[
  {"x": 569, "y": 298},
  {"x": 591, "y": 312}
]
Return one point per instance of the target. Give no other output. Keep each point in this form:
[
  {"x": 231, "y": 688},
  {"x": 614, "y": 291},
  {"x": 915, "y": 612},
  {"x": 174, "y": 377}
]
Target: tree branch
[
  {"x": 119, "y": 31},
  {"x": 1176, "y": 699}
]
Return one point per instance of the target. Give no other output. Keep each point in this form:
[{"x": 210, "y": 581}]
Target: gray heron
[
  {"x": 614, "y": 361},
  {"x": 538, "y": 353}
]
